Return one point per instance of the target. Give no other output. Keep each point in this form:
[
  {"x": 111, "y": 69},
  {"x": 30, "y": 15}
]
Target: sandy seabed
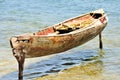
[{"x": 87, "y": 71}]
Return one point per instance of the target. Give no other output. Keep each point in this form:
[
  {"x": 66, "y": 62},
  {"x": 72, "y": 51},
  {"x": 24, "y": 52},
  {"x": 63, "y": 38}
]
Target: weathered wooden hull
[
  {"x": 46, "y": 45},
  {"x": 40, "y": 45}
]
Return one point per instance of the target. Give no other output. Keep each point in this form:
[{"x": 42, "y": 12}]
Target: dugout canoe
[{"x": 59, "y": 37}]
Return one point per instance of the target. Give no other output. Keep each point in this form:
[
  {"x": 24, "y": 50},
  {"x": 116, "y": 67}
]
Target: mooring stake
[
  {"x": 100, "y": 41},
  {"x": 20, "y": 57}
]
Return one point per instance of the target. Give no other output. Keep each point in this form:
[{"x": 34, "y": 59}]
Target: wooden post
[
  {"x": 20, "y": 57},
  {"x": 100, "y": 41}
]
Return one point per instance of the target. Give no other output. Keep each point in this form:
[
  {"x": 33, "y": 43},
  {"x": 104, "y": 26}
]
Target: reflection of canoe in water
[{"x": 60, "y": 37}]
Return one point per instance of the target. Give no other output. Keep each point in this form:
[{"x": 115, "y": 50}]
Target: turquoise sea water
[{"x": 23, "y": 16}]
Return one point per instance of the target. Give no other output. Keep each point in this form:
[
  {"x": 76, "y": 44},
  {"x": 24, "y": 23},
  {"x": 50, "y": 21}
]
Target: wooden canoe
[
  {"x": 61, "y": 37},
  {"x": 58, "y": 38}
]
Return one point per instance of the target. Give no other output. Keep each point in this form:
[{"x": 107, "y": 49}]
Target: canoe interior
[{"x": 71, "y": 25}]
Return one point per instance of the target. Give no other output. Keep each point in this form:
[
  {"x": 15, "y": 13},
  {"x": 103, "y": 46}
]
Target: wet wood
[
  {"x": 100, "y": 41},
  {"x": 20, "y": 57}
]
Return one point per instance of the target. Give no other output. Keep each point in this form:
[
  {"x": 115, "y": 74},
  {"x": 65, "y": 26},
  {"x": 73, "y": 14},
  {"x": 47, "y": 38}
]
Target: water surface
[{"x": 23, "y": 16}]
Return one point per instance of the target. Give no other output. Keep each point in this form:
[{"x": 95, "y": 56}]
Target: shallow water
[{"x": 22, "y": 16}]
